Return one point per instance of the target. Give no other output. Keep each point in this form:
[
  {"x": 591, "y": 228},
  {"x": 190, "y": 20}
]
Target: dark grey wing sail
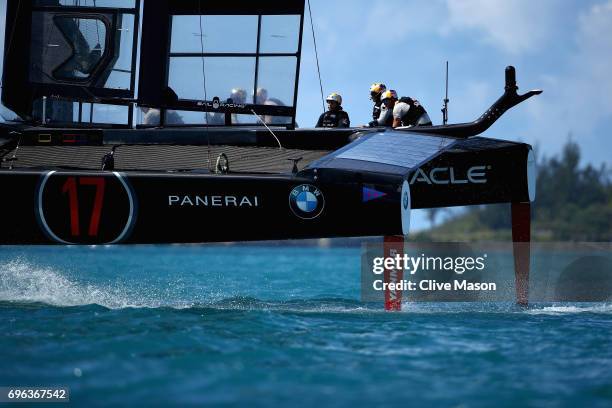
[
  {"x": 241, "y": 57},
  {"x": 69, "y": 52}
]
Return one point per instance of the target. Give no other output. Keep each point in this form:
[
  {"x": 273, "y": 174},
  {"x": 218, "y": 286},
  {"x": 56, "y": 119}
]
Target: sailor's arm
[
  {"x": 345, "y": 121},
  {"x": 320, "y": 121},
  {"x": 385, "y": 116}
]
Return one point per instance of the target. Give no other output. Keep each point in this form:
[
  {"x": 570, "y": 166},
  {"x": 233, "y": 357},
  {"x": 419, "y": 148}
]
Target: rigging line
[
  {"x": 206, "y": 130},
  {"x": 314, "y": 40},
  {"x": 96, "y": 23},
  {"x": 269, "y": 130}
]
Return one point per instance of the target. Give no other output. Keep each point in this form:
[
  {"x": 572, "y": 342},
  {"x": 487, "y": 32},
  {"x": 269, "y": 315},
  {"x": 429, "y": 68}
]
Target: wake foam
[
  {"x": 605, "y": 308},
  {"x": 23, "y": 282}
]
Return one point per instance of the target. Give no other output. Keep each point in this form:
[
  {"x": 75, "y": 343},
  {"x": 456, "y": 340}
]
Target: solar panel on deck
[{"x": 396, "y": 148}]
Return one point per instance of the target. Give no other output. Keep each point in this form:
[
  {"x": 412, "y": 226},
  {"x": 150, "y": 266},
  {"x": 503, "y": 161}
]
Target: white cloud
[
  {"x": 592, "y": 65},
  {"x": 515, "y": 26},
  {"x": 577, "y": 100},
  {"x": 396, "y": 20}
]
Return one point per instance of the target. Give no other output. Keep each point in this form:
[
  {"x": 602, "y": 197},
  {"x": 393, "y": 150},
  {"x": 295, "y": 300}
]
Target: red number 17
[{"x": 70, "y": 187}]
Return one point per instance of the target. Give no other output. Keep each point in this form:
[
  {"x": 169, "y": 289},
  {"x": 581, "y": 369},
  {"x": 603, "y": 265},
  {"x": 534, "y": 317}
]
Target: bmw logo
[{"x": 306, "y": 201}]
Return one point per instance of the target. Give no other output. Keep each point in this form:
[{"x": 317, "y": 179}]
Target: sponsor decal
[
  {"x": 85, "y": 209},
  {"x": 306, "y": 201},
  {"x": 216, "y": 103},
  {"x": 450, "y": 175},
  {"x": 228, "y": 201},
  {"x": 369, "y": 194}
]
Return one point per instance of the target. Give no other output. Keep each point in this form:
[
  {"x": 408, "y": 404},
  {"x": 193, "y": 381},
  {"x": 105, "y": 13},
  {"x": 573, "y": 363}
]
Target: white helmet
[{"x": 334, "y": 97}]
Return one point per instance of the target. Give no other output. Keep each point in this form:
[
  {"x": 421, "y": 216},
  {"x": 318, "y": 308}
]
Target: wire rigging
[
  {"x": 97, "y": 28},
  {"x": 206, "y": 130},
  {"x": 314, "y": 40},
  {"x": 269, "y": 130}
]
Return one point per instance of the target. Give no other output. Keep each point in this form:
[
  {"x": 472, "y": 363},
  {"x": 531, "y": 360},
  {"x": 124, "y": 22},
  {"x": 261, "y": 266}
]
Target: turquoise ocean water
[{"x": 279, "y": 326}]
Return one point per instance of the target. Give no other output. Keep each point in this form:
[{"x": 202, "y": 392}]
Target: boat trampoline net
[{"x": 162, "y": 157}]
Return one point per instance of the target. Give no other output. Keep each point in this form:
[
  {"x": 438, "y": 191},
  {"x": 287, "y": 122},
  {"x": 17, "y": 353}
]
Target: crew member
[
  {"x": 335, "y": 116},
  {"x": 409, "y": 112},
  {"x": 152, "y": 117},
  {"x": 376, "y": 91},
  {"x": 387, "y": 101},
  {"x": 238, "y": 96},
  {"x": 261, "y": 96},
  {"x": 275, "y": 120}
]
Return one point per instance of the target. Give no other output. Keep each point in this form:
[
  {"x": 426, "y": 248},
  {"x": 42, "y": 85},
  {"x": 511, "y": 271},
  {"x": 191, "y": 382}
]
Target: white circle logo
[{"x": 306, "y": 201}]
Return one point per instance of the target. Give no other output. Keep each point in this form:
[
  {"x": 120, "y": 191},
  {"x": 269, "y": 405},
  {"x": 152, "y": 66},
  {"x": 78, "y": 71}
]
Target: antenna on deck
[{"x": 446, "y": 100}]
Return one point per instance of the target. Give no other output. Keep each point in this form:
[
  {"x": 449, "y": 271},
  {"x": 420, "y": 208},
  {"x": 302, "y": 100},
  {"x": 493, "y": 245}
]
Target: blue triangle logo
[{"x": 370, "y": 194}]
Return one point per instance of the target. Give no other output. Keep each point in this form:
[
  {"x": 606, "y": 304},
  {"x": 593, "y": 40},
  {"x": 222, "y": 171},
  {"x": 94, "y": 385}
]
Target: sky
[{"x": 561, "y": 46}]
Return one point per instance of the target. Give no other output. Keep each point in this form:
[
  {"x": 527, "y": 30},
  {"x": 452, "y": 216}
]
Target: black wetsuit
[
  {"x": 376, "y": 110},
  {"x": 332, "y": 119}
]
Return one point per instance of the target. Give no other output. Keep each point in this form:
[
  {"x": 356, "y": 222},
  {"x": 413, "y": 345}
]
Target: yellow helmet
[
  {"x": 334, "y": 97},
  {"x": 376, "y": 89},
  {"x": 390, "y": 94}
]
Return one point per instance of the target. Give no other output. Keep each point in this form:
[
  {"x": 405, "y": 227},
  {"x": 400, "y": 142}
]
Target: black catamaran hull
[
  {"x": 160, "y": 183},
  {"x": 326, "y": 199}
]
